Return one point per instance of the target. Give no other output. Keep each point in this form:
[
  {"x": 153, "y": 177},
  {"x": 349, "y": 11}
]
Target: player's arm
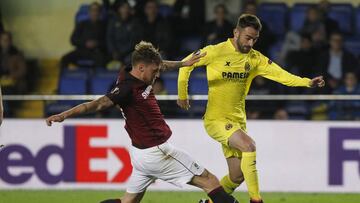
[
  {"x": 88, "y": 107},
  {"x": 272, "y": 71},
  {"x": 1, "y": 108},
  {"x": 173, "y": 65},
  {"x": 184, "y": 75}
]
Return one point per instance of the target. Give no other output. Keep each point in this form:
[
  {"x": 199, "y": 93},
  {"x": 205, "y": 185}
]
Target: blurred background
[
  {"x": 78, "y": 47},
  {"x": 56, "y": 54}
]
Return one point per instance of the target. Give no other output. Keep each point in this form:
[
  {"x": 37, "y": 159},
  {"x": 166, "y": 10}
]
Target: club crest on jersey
[
  {"x": 247, "y": 67},
  {"x": 228, "y": 126},
  {"x": 147, "y": 91}
]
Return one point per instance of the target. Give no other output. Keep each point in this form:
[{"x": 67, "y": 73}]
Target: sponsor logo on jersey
[
  {"x": 235, "y": 75},
  {"x": 147, "y": 91}
]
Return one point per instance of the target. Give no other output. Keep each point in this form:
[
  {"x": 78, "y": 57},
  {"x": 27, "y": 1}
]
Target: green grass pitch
[{"x": 94, "y": 196}]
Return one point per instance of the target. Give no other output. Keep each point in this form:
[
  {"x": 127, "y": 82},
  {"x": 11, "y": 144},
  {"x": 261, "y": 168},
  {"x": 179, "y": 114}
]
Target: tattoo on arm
[
  {"x": 170, "y": 65},
  {"x": 103, "y": 103},
  {"x": 85, "y": 107},
  {"x": 88, "y": 107}
]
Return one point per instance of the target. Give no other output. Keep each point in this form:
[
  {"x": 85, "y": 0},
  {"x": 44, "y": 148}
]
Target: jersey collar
[{"x": 230, "y": 45}]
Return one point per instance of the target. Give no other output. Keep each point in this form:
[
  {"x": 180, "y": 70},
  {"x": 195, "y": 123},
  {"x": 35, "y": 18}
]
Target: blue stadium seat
[
  {"x": 298, "y": 15},
  {"x": 353, "y": 46},
  {"x": 190, "y": 44},
  {"x": 79, "y": 72},
  {"x": 199, "y": 71},
  {"x": 343, "y": 14},
  {"x": 83, "y": 13},
  {"x": 101, "y": 84},
  {"x": 170, "y": 81},
  {"x": 198, "y": 85},
  {"x": 274, "y": 51},
  {"x": 72, "y": 85},
  {"x": 85, "y": 62},
  {"x": 357, "y": 20},
  {"x": 165, "y": 10},
  {"x": 274, "y": 14}
]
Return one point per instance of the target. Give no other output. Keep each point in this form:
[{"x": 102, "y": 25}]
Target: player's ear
[
  {"x": 236, "y": 32},
  {"x": 142, "y": 67}
]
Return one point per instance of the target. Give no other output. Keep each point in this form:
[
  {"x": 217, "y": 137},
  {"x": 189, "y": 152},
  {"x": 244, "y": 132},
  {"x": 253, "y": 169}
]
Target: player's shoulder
[
  {"x": 217, "y": 49},
  {"x": 255, "y": 54},
  {"x": 223, "y": 45}
]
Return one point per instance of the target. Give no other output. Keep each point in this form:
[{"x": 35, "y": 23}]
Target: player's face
[
  {"x": 151, "y": 72},
  {"x": 245, "y": 38}
]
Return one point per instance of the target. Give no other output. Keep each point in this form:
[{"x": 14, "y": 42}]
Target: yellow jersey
[{"x": 229, "y": 74}]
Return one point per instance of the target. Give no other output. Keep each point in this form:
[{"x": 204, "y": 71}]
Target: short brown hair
[
  {"x": 248, "y": 20},
  {"x": 145, "y": 52}
]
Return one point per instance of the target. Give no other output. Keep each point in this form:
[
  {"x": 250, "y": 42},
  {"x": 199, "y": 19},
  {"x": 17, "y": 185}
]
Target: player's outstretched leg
[
  {"x": 243, "y": 142},
  {"x": 210, "y": 184},
  {"x": 235, "y": 176}
]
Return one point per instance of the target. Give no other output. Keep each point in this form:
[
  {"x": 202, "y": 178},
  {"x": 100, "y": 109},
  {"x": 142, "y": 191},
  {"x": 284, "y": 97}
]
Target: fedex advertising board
[{"x": 84, "y": 153}]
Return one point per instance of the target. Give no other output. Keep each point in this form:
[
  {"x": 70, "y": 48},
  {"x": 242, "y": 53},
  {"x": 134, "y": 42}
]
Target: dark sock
[
  {"x": 111, "y": 201},
  {"x": 219, "y": 195},
  {"x": 253, "y": 201}
]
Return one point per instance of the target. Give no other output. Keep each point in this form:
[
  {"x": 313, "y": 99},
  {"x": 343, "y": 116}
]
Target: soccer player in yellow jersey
[{"x": 231, "y": 66}]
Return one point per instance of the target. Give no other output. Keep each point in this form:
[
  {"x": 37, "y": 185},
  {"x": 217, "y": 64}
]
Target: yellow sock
[
  {"x": 228, "y": 185},
  {"x": 248, "y": 167}
]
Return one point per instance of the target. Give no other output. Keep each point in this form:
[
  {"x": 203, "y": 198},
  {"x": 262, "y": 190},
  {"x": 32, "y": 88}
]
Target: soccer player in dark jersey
[{"x": 152, "y": 156}]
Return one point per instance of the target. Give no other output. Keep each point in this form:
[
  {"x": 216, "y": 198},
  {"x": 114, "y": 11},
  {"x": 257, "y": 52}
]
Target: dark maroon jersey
[{"x": 145, "y": 123}]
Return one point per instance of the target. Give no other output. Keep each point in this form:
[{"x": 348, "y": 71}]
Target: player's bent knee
[
  {"x": 206, "y": 181},
  {"x": 249, "y": 147},
  {"x": 252, "y": 147},
  {"x": 236, "y": 178},
  {"x": 211, "y": 182}
]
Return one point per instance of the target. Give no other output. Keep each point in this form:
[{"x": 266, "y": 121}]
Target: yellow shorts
[{"x": 221, "y": 130}]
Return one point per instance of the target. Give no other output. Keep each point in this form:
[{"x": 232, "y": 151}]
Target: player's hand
[
  {"x": 183, "y": 103},
  {"x": 317, "y": 82},
  {"x": 55, "y": 118},
  {"x": 195, "y": 57}
]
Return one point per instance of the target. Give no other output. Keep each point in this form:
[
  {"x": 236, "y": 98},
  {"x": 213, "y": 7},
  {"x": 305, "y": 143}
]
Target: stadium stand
[
  {"x": 102, "y": 81},
  {"x": 275, "y": 15},
  {"x": 357, "y": 20},
  {"x": 343, "y": 14},
  {"x": 170, "y": 81},
  {"x": 280, "y": 19},
  {"x": 297, "y": 16}
]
